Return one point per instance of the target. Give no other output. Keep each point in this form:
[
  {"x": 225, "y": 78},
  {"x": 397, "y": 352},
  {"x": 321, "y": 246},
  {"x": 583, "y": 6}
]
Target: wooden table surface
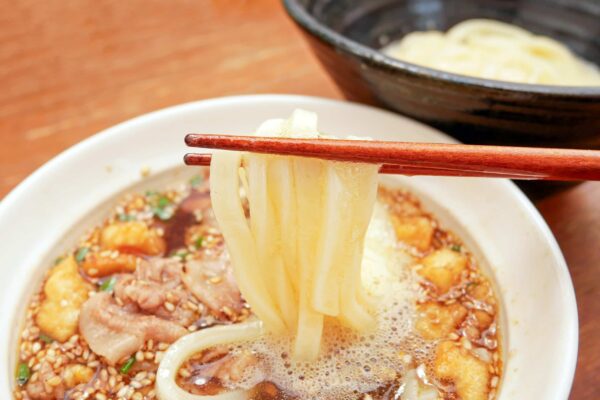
[{"x": 71, "y": 68}]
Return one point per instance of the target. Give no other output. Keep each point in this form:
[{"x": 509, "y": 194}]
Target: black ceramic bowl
[{"x": 346, "y": 35}]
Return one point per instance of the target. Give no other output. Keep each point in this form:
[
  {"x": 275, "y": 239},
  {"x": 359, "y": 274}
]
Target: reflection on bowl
[{"x": 346, "y": 35}]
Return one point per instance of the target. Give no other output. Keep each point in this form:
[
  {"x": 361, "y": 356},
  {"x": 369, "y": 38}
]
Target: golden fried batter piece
[
  {"x": 415, "y": 231},
  {"x": 103, "y": 264},
  {"x": 76, "y": 374},
  {"x": 65, "y": 292},
  {"x": 132, "y": 236},
  {"x": 437, "y": 321},
  {"x": 481, "y": 291},
  {"x": 443, "y": 268},
  {"x": 468, "y": 373}
]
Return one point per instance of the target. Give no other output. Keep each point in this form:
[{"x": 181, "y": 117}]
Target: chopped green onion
[
  {"x": 163, "y": 202},
  {"x": 162, "y": 209},
  {"x": 125, "y": 217},
  {"x": 127, "y": 365},
  {"x": 180, "y": 253},
  {"x": 198, "y": 243},
  {"x": 455, "y": 247},
  {"x": 45, "y": 338},
  {"x": 162, "y": 214},
  {"x": 150, "y": 193},
  {"x": 196, "y": 180},
  {"x": 23, "y": 374},
  {"x": 57, "y": 260},
  {"x": 108, "y": 284},
  {"x": 81, "y": 253}
]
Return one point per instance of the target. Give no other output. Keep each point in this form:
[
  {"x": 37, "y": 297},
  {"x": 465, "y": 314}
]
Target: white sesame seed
[
  {"x": 139, "y": 356},
  {"x": 54, "y": 381},
  {"x": 163, "y": 346},
  {"x": 466, "y": 344},
  {"x": 146, "y": 382},
  {"x": 494, "y": 381},
  {"x": 140, "y": 375},
  {"x": 135, "y": 384},
  {"x": 123, "y": 392},
  {"x": 184, "y": 373}
]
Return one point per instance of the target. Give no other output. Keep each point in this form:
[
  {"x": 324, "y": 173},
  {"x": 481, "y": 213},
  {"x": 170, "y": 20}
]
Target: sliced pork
[
  {"x": 115, "y": 333},
  {"x": 211, "y": 280},
  {"x": 156, "y": 288}
]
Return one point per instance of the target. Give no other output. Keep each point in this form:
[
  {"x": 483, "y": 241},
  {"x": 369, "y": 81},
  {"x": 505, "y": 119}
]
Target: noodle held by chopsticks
[{"x": 297, "y": 258}]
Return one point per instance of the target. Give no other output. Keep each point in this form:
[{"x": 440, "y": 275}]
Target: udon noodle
[
  {"x": 298, "y": 256},
  {"x": 495, "y": 50}
]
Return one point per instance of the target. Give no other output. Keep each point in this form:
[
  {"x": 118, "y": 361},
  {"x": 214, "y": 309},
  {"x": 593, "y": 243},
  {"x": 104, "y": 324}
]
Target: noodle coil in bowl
[
  {"x": 496, "y": 50},
  {"x": 109, "y": 218},
  {"x": 349, "y": 38}
]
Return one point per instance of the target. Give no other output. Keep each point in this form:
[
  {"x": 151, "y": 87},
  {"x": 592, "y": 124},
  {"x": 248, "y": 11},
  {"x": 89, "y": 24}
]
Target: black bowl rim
[{"x": 378, "y": 59}]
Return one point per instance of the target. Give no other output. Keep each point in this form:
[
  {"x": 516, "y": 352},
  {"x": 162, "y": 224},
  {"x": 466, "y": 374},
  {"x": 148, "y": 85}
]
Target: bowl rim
[{"x": 378, "y": 59}]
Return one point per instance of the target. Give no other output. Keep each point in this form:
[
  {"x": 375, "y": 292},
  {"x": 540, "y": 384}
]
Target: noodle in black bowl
[{"x": 346, "y": 36}]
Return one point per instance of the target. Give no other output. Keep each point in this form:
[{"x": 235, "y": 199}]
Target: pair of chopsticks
[{"x": 406, "y": 158}]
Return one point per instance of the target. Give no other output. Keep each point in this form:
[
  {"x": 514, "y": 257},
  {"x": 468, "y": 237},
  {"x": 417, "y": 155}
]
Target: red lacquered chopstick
[
  {"x": 421, "y": 158},
  {"x": 204, "y": 160}
]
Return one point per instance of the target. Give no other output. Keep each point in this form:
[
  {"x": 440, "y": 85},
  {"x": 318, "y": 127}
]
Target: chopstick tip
[
  {"x": 189, "y": 139},
  {"x": 188, "y": 159}
]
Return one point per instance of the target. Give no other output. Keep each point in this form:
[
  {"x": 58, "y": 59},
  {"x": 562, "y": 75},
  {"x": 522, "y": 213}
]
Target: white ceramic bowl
[{"x": 46, "y": 213}]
